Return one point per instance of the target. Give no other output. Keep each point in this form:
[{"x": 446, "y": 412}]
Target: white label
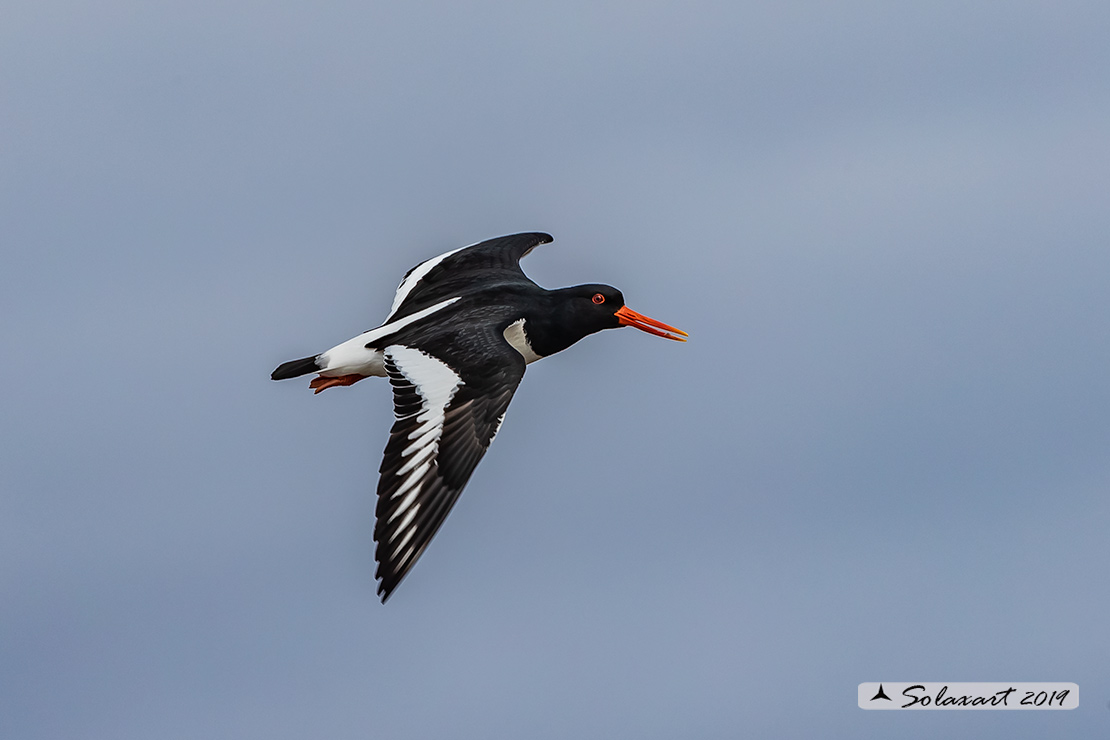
[{"x": 984, "y": 695}]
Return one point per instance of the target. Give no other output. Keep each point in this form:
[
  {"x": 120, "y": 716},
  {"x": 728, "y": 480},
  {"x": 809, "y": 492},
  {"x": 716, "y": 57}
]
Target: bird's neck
[{"x": 551, "y": 327}]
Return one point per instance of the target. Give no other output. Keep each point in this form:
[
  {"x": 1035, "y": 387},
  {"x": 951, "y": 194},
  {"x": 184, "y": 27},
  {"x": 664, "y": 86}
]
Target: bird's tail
[{"x": 295, "y": 368}]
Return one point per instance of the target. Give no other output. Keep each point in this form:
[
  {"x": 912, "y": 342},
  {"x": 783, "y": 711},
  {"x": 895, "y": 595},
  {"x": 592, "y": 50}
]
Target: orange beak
[{"x": 627, "y": 317}]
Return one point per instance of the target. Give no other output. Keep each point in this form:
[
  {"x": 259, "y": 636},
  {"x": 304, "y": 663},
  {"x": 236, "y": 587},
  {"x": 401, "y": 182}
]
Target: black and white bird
[{"x": 454, "y": 346}]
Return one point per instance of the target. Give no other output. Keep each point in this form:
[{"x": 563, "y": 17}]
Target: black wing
[
  {"x": 446, "y": 420},
  {"x": 485, "y": 265}
]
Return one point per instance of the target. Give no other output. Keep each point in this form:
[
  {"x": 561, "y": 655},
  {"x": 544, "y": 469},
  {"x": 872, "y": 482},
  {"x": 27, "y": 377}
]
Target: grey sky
[{"x": 882, "y": 455}]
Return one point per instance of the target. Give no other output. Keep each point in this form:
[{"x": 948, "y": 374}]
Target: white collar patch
[{"x": 516, "y": 336}]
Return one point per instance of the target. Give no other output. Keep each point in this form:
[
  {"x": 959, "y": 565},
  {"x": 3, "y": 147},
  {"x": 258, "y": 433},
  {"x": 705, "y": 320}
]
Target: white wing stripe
[
  {"x": 404, "y": 524},
  {"x": 496, "y": 429},
  {"x": 408, "y": 554},
  {"x": 415, "y": 276},
  {"x": 395, "y": 326},
  {"x": 352, "y": 355},
  {"x": 405, "y": 503},
  {"x": 416, "y": 459},
  {"x": 413, "y": 478},
  {"x": 422, "y": 435},
  {"x": 405, "y": 540},
  {"x": 436, "y": 384}
]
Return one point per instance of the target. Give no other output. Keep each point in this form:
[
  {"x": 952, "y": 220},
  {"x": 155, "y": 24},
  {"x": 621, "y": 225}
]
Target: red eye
[{"x": 598, "y": 298}]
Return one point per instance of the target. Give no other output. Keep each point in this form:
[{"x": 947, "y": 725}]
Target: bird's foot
[{"x": 321, "y": 382}]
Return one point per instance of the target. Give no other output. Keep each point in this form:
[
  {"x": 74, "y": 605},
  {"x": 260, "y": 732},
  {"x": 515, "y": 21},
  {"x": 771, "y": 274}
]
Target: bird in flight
[{"x": 454, "y": 346}]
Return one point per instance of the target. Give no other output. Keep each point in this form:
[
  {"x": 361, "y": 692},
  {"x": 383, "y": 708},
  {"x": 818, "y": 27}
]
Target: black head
[
  {"x": 586, "y": 309},
  {"x": 593, "y": 306}
]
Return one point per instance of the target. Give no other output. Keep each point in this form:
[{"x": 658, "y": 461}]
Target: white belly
[{"x": 352, "y": 358}]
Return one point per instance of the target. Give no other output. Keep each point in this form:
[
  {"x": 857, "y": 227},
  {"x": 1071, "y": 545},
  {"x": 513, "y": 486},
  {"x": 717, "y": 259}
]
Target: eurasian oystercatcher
[{"x": 462, "y": 327}]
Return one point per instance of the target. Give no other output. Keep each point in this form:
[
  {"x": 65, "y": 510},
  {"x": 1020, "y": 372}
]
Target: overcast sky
[{"x": 883, "y": 454}]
